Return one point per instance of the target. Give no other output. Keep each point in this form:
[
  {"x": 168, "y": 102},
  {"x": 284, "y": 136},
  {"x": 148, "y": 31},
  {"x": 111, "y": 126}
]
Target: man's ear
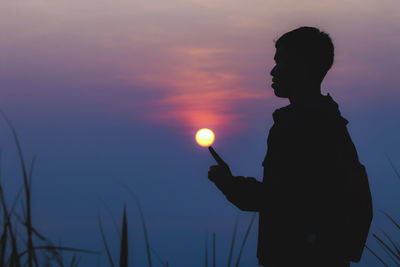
[{"x": 309, "y": 72}]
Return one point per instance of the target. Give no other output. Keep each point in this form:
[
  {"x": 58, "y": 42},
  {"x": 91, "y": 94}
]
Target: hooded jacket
[{"x": 312, "y": 189}]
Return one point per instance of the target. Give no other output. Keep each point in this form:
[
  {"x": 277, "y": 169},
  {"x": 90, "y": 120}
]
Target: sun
[{"x": 205, "y": 137}]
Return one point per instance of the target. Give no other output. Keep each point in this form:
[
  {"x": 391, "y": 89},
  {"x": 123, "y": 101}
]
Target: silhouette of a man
[{"x": 314, "y": 202}]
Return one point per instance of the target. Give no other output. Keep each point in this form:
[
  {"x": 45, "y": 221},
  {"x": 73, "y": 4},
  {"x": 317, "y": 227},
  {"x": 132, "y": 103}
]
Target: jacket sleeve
[{"x": 244, "y": 192}]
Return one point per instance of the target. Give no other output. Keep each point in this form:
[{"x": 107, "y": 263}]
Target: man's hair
[{"x": 312, "y": 45}]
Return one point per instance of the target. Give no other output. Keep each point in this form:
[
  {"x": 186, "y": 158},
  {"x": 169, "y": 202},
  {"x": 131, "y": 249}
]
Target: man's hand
[{"x": 218, "y": 172}]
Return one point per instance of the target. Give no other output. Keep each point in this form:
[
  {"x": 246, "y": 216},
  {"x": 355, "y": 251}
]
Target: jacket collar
[{"x": 318, "y": 106}]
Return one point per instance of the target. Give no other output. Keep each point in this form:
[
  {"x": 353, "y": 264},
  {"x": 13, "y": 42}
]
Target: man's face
[{"x": 287, "y": 73}]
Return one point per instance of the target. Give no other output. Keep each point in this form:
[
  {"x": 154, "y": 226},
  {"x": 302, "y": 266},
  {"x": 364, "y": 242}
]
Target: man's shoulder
[
  {"x": 283, "y": 114},
  {"x": 299, "y": 127},
  {"x": 315, "y": 112}
]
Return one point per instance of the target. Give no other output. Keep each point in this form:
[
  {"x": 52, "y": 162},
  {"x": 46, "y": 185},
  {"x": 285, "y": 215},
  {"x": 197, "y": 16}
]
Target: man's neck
[{"x": 304, "y": 96}]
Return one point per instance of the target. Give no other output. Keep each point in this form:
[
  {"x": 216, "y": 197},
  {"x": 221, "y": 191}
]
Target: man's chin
[{"x": 280, "y": 94}]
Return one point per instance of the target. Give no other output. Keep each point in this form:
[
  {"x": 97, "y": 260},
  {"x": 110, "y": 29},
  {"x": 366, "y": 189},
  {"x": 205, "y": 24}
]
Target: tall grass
[
  {"x": 37, "y": 250},
  {"x": 232, "y": 245},
  {"x": 389, "y": 246},
  {"x": 12, "y": 251},
  {"x": 233, "y": 241}
]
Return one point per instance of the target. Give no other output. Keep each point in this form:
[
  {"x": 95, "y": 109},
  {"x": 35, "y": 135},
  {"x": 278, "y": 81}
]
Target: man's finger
[{"x": 216, "y": 156}]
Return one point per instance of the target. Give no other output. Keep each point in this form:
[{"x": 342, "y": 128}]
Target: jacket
[{"x": 313, "y": 183}]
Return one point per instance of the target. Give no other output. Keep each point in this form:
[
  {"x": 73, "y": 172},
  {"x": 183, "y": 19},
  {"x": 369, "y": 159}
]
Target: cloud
[{"x": 204, "y": 62}]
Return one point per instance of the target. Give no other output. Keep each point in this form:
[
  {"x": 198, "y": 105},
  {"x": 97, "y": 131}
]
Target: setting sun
[{"x": 205, "y": 137}]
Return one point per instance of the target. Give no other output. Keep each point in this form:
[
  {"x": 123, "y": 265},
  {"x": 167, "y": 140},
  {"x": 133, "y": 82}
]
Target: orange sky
[{"x": 203, "y": 57}]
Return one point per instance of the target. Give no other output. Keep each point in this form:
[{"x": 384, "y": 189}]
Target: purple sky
[{"x": 112, "y": 93}]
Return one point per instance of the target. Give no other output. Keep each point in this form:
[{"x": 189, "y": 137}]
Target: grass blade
[
  {"x": 34, "y": 231},
  {"x": 387, "y": 248},
  {"x": 245, "y": 239},
  {"x": 3, "y": 244},
  {"x": 396, "y": 247},
  {"x": 13, "y": 260},
  {"x": 213, "y": 248},
  {"x": 112, "y": 217},
  {"x": 146, "y": 238},
  {"x": 72, "y": 261},
  {"x": 105, "y": 244},
  {"x": 391, "y": 219},
  {"x": 165, "y": 263},
  {"x": 206, "y": 251},
  {"x": 75, "y": 261},
  {"x": 31, "y": 253},
  {"x": 393, "y": 167},
  {"x": 14, "y": 250},
  {"x": 51, "y": 247},
  {"x": 31, "y": 173},
  {"x": 233, "y": 241},
  {"x": 123, "y": 259},
  {"x": 3, "y": 240},
  {"x": 376, "y": 256}
]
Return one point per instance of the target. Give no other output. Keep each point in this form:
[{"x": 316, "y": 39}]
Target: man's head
[{"x": 303, "y": 57}]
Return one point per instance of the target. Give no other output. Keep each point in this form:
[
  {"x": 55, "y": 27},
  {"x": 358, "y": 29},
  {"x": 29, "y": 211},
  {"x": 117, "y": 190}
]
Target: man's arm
[{"x": 244, "y": 193}]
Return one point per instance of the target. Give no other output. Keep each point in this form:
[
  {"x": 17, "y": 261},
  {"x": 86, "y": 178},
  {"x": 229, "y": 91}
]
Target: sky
[{"x": 109, "y": 95}]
